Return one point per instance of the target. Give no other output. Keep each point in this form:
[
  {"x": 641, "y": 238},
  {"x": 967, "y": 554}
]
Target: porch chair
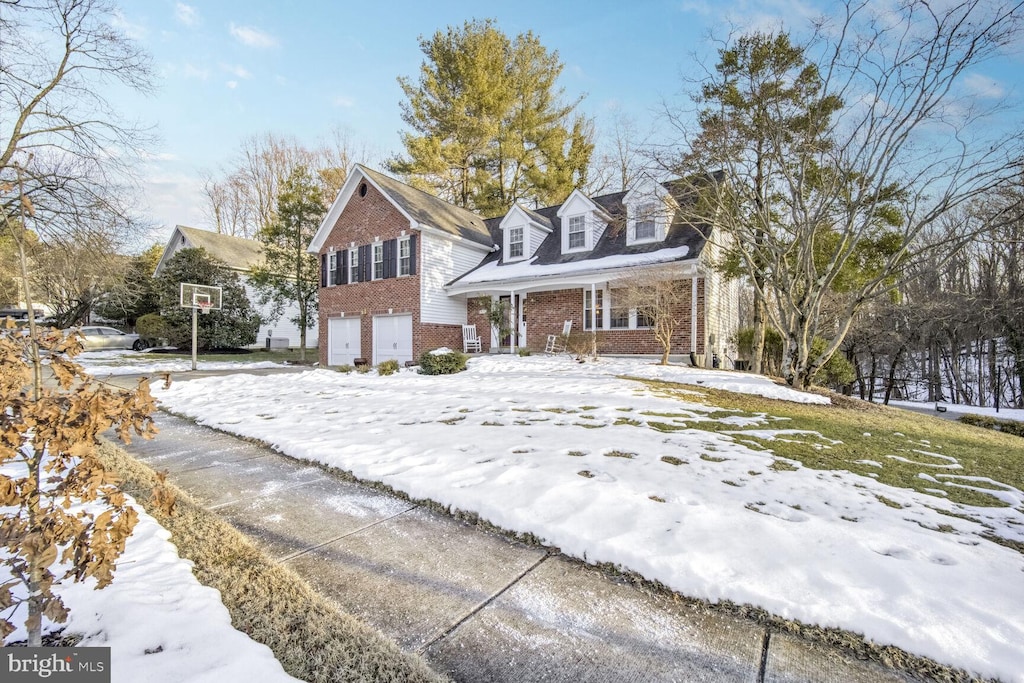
[
  {"x": 557, "y": 342},
  {"x": 470, "y": 340}
]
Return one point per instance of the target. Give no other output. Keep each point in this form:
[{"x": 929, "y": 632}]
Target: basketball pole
[{"x": 195, "y": 333}]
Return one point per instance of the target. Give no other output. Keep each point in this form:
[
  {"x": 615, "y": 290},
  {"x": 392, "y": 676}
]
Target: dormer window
[
  {"x": 646, "y": 227},
  {"x": 515, "y": 242},
  {"x": 649, "y": 210},
  {"x": 577, "y": 232}
]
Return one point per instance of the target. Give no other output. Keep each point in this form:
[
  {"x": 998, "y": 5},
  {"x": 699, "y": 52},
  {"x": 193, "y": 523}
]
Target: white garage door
[
  {"x": 392, "y": 338},
  {"x": 344, "y": 341}
]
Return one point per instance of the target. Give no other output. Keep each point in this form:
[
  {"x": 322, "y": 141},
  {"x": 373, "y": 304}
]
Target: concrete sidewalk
[{"x": 478, "y": 606}]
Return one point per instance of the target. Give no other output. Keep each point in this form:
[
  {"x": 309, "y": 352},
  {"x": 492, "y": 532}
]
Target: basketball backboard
[{"x": 200, "y": 296}]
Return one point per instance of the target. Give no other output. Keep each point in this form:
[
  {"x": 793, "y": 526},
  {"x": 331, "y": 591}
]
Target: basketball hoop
[{"x": 205, "y": 307}]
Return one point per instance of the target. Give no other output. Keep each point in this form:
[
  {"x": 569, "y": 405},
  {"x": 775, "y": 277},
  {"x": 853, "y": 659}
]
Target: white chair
[
  {"x": 470, "y": 340},
  {"x": 557, "y": 342}
]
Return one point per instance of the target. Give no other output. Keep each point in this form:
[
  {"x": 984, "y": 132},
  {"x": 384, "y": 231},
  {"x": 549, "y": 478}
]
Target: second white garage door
[
  {"x": 392, "y": 338},
  {"x": 343, "y": 341}
]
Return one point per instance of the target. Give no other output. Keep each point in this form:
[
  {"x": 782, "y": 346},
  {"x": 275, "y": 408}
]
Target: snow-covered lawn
[
  {"x": 608, "y": 470},
  {"x": 1003, "y": 414},
  {"x": 117, "y": 362},
  {"x": 160, "y": 623}
]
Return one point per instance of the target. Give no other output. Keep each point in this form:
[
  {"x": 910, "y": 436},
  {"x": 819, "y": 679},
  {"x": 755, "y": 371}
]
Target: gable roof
[
  {"x": 424, "y": 210},
  {"x": 684, "y": 241},
  {"x": 238, "y": 253}
]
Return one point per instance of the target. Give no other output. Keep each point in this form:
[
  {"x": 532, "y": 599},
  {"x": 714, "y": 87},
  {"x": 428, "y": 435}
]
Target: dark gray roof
[
  {"x": 425, "y": 208},
  {"x": 613, "y": 242}
]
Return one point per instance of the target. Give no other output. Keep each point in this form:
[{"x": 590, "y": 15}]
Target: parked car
[{"x": 100, "y": 338}]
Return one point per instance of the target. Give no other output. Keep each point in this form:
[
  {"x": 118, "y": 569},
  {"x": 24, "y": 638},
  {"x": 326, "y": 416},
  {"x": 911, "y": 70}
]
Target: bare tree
[
  {"x": 660, "y": 300},
  {"x": 830, "y": 193}
]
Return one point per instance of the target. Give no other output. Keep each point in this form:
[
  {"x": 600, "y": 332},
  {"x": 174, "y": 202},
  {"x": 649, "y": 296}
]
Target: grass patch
[
  {"x": 576, "y": 454},
  {"x": 486, "y": 423},
  {"x": 241, "y": 356},
  {"x": 628, "y": 421},
  {"x": 620, "y": 454},
  {"x": 657, "y": 499},
  {"x": 453, "y": 420},
  {"x": 586, "y": 474},
  {"x": 673, "y": 460},
  {"x": 666, "y": 427},
  {"x": 712, "y": 458},
  {"x": 889, "y": 502},
  {"x": 560, "y": 411},
  {"x": 589, "y": 407},
  {"x": 589, "y": 425},
  {"x": 980, "y": 453},
  {"x": 313, "y": 640}
]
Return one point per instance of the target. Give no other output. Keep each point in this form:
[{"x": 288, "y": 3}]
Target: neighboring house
[
  {"x": 241, "y": 255},
  {"x": 402, "y": 271}
]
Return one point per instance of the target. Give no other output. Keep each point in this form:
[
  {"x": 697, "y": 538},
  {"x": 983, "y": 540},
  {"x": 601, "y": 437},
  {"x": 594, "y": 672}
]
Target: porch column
[
  {"x": 495, "y": 341},
  {"x": 593, "y": 307},
  {"x": 521, "y": 320},
  {"x": 693, "y": 314},
  {"x": 513, "y": 337}
]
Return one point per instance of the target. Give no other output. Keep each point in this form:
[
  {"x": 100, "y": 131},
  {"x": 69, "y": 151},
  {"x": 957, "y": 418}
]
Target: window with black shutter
[
  {"x": 353, "y": 265},
  {"x": 343, "y": 267},
  {"x": 389, "y": 258},
  {"x": 365, "y": 263}
]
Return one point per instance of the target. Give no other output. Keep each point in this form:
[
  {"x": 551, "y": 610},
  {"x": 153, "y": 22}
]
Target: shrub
[
  {"x": 434, "y": 363},
  {"x": 344, "y": 368},
  {"x": 989, "y": 422},
  {"x": 524, "y": 352},
  {"x": 837, "y": 371},
  {"x": 151, "y": 328},
  {"x": 387, "y": 367},
  {"x": 362, "y": 369}
]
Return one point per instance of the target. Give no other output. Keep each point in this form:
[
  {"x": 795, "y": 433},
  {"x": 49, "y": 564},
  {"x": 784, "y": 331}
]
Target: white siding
[
  {"x": 441, "y": 261},
  {"x": 537, "y": 236},
  {"x": 283, "y": 327},
  {"x": 721, "y": 301}
]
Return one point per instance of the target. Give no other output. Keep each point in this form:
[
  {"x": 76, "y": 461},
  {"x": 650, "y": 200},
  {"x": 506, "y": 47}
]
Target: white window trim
[
  {"x": 508, "y": 240},
  {"x": 660, "y": 222},
  {"x": 353, "y": 266},
  {"x": 403, "y": 242},
  {"x": 377, "y": 247},
  {"x": 588, "y": 236},
  {"x": 332, "y": 269}
]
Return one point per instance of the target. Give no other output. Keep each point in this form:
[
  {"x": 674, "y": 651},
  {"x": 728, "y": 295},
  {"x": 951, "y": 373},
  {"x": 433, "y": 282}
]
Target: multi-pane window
[
  {"x": 577, "y": 232},
  {"x": 644, "y": 319},
  {"x": 619, "y": 317},
  {"x": 404, "y": 260},
  {"x": 353, "y": 265},
  {"x": 646, "y": 229},
  {"x": 332, "y": 268},
  {"x": 515, "y": 242},
  {"x": 378, "y": 261},
  {"x": 588, "y": 309}
]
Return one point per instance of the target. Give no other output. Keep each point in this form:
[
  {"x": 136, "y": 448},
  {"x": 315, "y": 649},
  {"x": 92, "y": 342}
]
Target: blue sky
[{"x": 230, "y": 69}]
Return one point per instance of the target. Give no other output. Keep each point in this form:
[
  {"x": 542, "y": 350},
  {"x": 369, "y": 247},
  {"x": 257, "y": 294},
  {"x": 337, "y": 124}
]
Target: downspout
[{"x": 693, "y": 314}]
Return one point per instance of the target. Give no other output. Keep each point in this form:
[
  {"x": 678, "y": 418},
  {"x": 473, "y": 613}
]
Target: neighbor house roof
[{"x": 238, "y": 253}]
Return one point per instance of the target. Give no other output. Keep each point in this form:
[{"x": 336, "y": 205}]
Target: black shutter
[
  {"x": 343, "y": 267},
  {"x": 412, "y": 254},
  {"x": 390, "y": 268},
  {"x": 323, "y": 270},
  {"x": 365, "y": 263}
]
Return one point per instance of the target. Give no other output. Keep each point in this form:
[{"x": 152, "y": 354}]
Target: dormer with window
[
  {"x": 649, "y": 210},
  {"x": 583, "y": 223},
  {"x": 522, "y": 232}
]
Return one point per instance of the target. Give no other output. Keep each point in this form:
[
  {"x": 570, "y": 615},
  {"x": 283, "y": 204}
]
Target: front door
[
  {"x": 344, "y": 341},
  {"x": 392, "y": 338}
]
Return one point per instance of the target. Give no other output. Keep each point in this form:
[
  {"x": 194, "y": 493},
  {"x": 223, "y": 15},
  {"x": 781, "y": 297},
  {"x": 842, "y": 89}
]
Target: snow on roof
[{"x": 496, "y": 272}]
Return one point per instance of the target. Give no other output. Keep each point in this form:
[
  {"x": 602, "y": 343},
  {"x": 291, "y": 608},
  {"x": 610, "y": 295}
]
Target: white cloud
[
  {"x": 232, "y": 84},
  {"x": 191, "y": 71},
  {"x": 133, "y": 31},
  {"x": 186, "y": 14},
  {"x": 253, "y": 37},
  {"x": 238, "y": 71},
  {"x": 983, "y": 86},
  {"x": 700, "y": 7},
  {"x": 342, "y": 101}
]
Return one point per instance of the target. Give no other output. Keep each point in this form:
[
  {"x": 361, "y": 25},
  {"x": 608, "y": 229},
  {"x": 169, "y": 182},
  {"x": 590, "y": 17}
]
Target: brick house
[{"x": 402, "y": 271}]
